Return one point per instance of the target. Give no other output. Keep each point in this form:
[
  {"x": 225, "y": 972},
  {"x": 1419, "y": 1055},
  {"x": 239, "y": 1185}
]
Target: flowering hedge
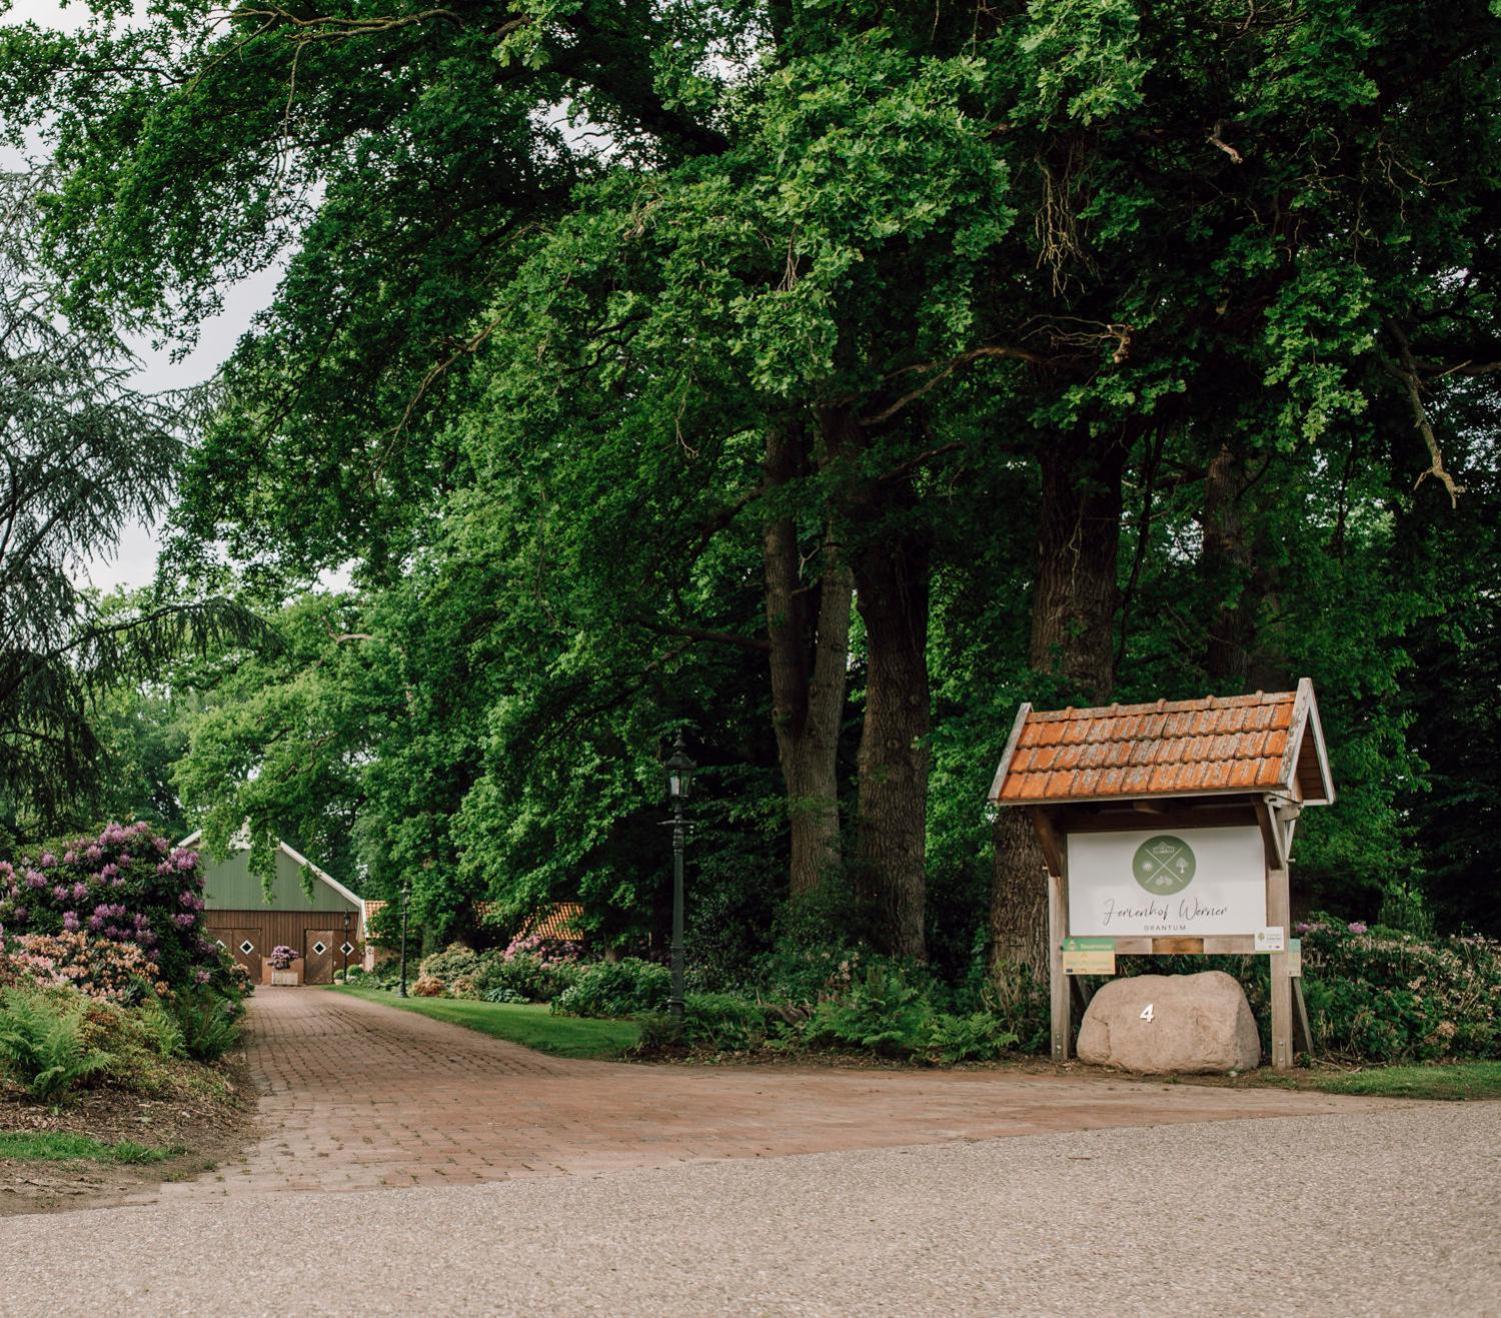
[
  {"x": 1381, "y": 995},
  {"x": 127, "y": 886},
  {"x": 535, "y": 969},
  {"x": 96, "y": 967}
]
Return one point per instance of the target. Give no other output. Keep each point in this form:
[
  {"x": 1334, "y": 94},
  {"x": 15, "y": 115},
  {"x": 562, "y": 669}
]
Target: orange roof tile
[
  {"x": 560, "y": 921},
  {"x": 1181, "y": 748}
]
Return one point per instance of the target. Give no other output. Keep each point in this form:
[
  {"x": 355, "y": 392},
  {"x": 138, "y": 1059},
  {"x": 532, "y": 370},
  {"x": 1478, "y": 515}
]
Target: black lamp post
[
  {"x": 679, "y": 776},
  {"x": 406, "y": 892}
]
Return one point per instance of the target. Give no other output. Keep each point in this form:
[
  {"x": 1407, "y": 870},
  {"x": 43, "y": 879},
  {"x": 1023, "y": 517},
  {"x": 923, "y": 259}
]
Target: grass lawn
[
  {"x": 530, "y": 1024},
  {"x": 52, "y": 1146},
  {"x": 1449, "y": 1080}
]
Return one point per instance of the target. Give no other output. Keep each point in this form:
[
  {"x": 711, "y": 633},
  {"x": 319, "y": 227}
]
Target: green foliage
[
  {"x": 451, "y": 963},
  {"x": 85, "y": 455},
  {"x": 880, "y": 1013},
  {"x": 504, "y": 994},
  {"x": 161, "y": 1029},
  {"x": 614, "y": 989},
  {"x": 1387, "y": 996},
  {"x": 978, "y": 1037},
  {"x": 209, "y": 1024},
  {"x": 712, "y": 1023},
  {"x": 524, "y": 385},
  {"x": 531, "y": 977},
  {"x": 42, "y": 1042}
]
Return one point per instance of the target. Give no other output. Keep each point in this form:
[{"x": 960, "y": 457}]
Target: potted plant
[{"x": 282, "y": 961}]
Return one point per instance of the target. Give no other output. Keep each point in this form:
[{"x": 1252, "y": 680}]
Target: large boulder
[{"x": 1197, "y": 1023}]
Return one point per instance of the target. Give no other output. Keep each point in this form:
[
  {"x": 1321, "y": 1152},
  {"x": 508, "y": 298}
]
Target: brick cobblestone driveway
[{"x": 356, "y": 1095}]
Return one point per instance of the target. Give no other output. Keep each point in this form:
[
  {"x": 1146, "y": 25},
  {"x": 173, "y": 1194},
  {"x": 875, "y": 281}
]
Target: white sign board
[{"x": 1190, "y": 881}]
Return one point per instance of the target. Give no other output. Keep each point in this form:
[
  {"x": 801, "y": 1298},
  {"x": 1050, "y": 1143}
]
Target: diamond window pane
[
  {"x": 218, "y": 942},
  {"x": 320, "y": 947},
  {"x": 247, "y": 947},
  {"x": 346, "y": 947}
]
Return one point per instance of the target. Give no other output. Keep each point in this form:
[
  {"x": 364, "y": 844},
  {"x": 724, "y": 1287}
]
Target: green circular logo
[{"x": 1163, "y": 864}]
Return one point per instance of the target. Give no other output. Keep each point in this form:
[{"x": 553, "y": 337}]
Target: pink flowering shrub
[
  {"x": 1379, "y": 994},
  {"x": 535, "y": 969},
  {"x": 97, "y": 967},
  {"x": 548, "y": 951},
  {"x": 127, "y": 886},
  {"x": 282, "y": 957}
]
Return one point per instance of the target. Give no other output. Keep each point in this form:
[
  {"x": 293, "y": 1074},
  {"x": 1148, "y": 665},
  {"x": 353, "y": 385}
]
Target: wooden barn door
[
  {"x": 237, "y": 941},
  {"x": 318, "y": 956}
]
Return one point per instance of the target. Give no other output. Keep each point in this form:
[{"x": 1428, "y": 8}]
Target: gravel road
[{"x": 1387, "y": 1212}]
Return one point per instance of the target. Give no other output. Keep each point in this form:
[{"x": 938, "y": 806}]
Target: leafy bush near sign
[
  {"x": 1385, "y": 996},
  {"x": 1375, "y": 994}
]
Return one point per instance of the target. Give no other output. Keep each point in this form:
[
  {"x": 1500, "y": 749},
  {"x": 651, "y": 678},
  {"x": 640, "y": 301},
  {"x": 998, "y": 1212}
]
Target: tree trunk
[
  {"x": 1240, "y": 583},
  {"x": 1225, "y": 567},
  {"x": 809, "y": 635},
  {"x": 1073, "y": 618},
  {"x": 890, "y": 565}
]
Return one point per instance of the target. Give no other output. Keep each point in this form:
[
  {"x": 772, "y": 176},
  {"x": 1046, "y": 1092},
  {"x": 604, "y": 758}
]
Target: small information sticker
[
  {"x": 1271, "y": 939},
  {"x": 1294, "y": 957},
  {"x": 1089, "y": 956}
]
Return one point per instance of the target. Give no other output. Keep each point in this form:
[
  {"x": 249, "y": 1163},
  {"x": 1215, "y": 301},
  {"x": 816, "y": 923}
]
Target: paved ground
[
  {"x": 1373, "y": 1212},
  {"x": 359, "y": 1095}
]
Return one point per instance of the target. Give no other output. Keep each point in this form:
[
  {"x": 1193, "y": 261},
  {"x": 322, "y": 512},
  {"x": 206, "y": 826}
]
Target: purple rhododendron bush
[
  {"x": 106, "y": 975},
  {"x": 108, "y": 912}
]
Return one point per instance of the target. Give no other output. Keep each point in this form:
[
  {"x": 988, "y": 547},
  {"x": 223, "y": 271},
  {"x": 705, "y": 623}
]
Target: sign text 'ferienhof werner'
[{"x": 1190, "y": 881}]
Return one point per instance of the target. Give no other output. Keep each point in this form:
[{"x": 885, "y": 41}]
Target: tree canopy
[{"x": 823, "y": 380}]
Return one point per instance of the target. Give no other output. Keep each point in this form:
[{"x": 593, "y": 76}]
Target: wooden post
[
  {"x": 1300, "y": 1017},
  {"x": 1279, "y": 912},
  {"x": 1062, "y": 1009}
]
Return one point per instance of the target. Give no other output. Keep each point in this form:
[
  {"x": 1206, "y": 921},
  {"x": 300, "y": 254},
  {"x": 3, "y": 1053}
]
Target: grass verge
[
  {"x": 1450, "y": 1080},
  {"x": 529, "y": 1024},
  {"x": 58, "y": 1146},
  {"x": 1455, "y": 1081}
]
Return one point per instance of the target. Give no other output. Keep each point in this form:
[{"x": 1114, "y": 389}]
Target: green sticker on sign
[
  {"x": 1164, "y": 864},
  {"x": 1088, "y": 956}
]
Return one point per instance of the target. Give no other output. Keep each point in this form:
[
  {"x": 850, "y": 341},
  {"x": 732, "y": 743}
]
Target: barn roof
[
  {"x": 241, "y": 844},
  {"x": 1269, "y": 743}
]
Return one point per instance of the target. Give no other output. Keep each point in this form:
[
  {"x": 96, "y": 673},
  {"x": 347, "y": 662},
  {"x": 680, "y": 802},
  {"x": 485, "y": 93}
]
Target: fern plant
[
  {"x": 42, "y": 1043},
  {"x": 881, "y": 1013},
  {"x": 209, "y": 1025}
]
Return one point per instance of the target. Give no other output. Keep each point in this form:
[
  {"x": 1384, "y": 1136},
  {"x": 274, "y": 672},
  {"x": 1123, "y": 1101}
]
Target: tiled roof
[
  {"x": 1218, "y": 745},
  {"x": 371, "y": 907},
  {"x": 560, "y": 921}
]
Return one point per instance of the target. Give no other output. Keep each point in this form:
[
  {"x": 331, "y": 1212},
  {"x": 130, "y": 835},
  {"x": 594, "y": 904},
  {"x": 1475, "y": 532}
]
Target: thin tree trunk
[
  {"x": 891, "y": 566},
  {"x": 1073, "y": 614},
  {"x": 809, "y": 635},
  {"x": 1225, "y": 567}
]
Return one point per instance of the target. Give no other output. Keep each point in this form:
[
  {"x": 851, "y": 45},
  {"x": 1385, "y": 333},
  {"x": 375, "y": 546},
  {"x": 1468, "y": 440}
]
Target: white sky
[{"x": 133, "y": 562}]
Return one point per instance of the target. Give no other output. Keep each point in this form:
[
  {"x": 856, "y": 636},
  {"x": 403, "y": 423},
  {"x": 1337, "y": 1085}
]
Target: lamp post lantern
[
  {"x": 406, "y": 892},
  {"x": 679, "y": 777}
]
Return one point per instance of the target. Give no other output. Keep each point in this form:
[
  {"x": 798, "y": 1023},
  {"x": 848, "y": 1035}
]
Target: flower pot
[{"x": 285, "y": 978}]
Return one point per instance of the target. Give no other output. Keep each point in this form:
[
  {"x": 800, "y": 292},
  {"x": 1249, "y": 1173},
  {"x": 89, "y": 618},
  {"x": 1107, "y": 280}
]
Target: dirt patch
[{"x": 211, "y": 1119}]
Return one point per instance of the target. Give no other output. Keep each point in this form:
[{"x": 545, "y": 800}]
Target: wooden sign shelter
[{"x": 1167, "y": 829}]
